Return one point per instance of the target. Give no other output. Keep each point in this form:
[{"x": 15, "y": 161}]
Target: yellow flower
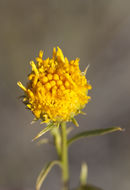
[{"x": 57, "y": 89}]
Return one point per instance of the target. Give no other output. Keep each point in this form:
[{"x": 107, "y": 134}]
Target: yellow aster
[{"x": 57, "y": 90}]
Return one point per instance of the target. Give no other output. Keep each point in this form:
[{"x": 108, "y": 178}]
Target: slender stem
[
  {"x": 57, "y": 140},
  {"x": 58, "y": 144},
  {"x": 65, "y": 170}
]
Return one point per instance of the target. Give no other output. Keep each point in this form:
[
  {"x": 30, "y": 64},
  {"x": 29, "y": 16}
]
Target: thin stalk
[
  {"x": 57, "y": 140},
  {"x": 58, "y": 144},
  {"x": 65, "y": 169}
]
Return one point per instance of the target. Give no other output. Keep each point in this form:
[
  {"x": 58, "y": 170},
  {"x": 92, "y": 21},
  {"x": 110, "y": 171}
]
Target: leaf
[
  {"x": 88, "y": 187},
  {"x": 86, "y": 69},
  {"x": 83, "y": 174},
  {"x": 43, "y": 174},
  {"x": 48, "y": 128},
  {"x": 93, "y": 133},
  {"x": 75, "y": 122}
]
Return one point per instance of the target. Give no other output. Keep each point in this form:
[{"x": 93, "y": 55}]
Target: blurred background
[{"x": 98, "y": 32}]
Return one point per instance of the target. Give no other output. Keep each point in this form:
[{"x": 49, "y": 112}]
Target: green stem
[
  {"x": 58, "y": 144},
  {"x": 65, "y": 170},
  {"x": 57, "y": 140}
]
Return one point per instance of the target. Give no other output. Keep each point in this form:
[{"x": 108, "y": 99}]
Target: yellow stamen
[
  {"x": 34, "y": 68},
  {"x": 21, "y": 86}
]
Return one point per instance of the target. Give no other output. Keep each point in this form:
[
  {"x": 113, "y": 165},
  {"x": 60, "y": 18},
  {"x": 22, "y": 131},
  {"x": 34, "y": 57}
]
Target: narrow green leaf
[
  {"x": 21, "y": 97},
  {"x": 95, "y": 132},
  {"x": 83, "y": 174},
  {"x": 46, "y": 129},
  {"x": 89, "y": 187},
  {"x": 75, "y": 122},
  {"x": 43, "y": 174},
  {"x": 86, "y": 69}
]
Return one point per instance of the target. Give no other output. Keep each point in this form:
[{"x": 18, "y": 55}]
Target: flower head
[{"x": 57, "y": 89}]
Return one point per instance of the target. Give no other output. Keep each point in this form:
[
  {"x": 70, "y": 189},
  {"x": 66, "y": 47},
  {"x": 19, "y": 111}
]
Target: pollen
[{"x": 56, "y": 90}]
